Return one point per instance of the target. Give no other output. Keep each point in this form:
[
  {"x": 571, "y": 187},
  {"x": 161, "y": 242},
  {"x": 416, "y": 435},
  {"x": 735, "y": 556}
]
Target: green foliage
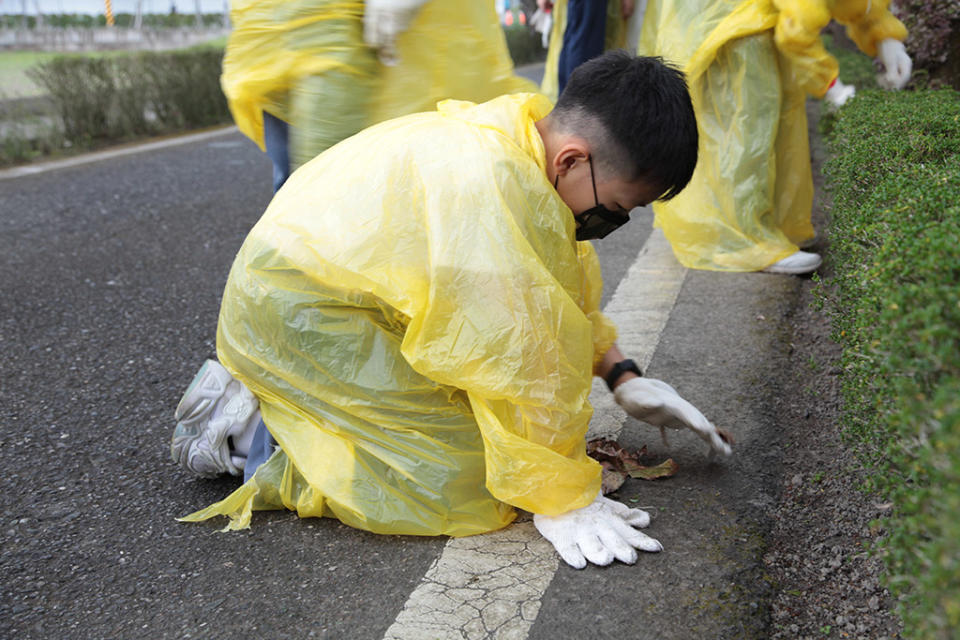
[
  {"x": 525, "y": 44},
  {"x": 895, "y": 306},
  {"x": 84, "y": 21},
  {"x": 142, "y": 93},
  {"x": 931, "y": 27}
]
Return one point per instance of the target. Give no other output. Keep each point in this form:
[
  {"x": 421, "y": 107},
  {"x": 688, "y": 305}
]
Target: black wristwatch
[{"x": 620, "y": 368}]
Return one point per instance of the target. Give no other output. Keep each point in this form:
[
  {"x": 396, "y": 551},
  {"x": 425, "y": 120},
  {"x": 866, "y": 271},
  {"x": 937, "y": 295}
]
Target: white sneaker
[
  {"x": 798, "y": 263},
  {"x": 214, "y": 407}
]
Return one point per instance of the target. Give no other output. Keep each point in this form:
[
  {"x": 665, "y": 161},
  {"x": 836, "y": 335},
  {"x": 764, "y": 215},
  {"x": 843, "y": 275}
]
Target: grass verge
[{"x": 894, "y": 302}]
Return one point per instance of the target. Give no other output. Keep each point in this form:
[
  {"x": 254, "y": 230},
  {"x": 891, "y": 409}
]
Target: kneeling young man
[{"x": 415, "y": 320}]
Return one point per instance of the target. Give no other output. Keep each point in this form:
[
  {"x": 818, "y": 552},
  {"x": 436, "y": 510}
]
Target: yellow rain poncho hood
[
  {"x": 420, "y": 327},
  {"x": 749, "y": 66},
  {"x": 305, "y": 62}
]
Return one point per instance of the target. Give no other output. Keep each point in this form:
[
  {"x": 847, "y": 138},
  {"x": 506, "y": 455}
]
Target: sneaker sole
[{"x": 794, "y": 271}]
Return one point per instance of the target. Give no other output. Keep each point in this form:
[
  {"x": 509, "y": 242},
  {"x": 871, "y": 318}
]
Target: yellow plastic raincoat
[
  {"x": 420, "y": 327},
  {"x": 749, "y": 65},
  {"x": 305, "y": 62},
  {"x": 615, "y": 38}
]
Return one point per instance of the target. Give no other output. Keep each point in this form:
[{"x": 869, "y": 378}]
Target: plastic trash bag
[
  {"x": 305, "y": 62},
  {"x": 749, "y": 66},
  {"x": 420, "y": 328}
]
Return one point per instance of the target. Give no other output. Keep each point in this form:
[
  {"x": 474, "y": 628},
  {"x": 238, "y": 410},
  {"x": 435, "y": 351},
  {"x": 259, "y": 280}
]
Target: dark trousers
[{"x": 583, "y": 38}]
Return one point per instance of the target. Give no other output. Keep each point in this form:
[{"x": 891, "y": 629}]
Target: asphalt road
[{"x": 110, "y": 279}]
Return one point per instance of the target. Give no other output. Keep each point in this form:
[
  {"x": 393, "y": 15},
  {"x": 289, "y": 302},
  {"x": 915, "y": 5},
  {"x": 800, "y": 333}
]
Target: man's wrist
[{"x": 621, "y": 372}]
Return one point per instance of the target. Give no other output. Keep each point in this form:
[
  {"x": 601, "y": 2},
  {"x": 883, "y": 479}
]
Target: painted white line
[
  {"x": 43, "y": 167},
  {"x": 491, "y": 586}
]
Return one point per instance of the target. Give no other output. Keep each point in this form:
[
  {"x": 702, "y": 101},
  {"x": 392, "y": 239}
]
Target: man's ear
[{"x": 573, "y": 151}]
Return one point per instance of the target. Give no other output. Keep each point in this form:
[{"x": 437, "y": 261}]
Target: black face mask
[{"x": 596, "y": 222}]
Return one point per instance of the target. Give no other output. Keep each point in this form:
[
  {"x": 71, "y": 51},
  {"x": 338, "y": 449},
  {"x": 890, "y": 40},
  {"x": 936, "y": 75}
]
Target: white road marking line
[
  {"x": 32, "y": 169},
  {"x": 491, "y": 586}
]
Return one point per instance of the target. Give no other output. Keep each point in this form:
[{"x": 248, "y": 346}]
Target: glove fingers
[
  {"x": 648, "y": 544},
  {"x": 718, "y": 444},
  {"x": 570, "y": 553},
  {"x": 593, "y": 548},
  {"x": 637, "y": 518},
  {"x": 557, "y": 533},
  {"x": 633, "y": 517},
  {"x": 621, "y": 548},
  {"x": 633, "y": 537}
]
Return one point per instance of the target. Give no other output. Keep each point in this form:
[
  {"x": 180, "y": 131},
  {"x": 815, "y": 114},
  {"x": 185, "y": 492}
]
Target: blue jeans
[
  {"x": 583, "y": 38},
  {"x": 260, "y": 450},
  {"x": 276, "y": 137}
]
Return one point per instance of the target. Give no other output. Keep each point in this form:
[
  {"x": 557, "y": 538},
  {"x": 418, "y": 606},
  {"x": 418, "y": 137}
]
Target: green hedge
[
  {"x": 525, "y": 44},
  {"x": 101, "y": 99},
  {"x": 136, "y": 94},
  {"x": 894, "y": 300}
]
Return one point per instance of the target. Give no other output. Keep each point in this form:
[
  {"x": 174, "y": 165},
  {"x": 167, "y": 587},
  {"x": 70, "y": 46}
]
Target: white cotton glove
[
  {"x": 383, "y": 21},
  {"x": 659, "y": 404},
  {"x": 839, "y": 93},
  {"x": 896, "y": 64},
  {"x": 599, "y": 532}
]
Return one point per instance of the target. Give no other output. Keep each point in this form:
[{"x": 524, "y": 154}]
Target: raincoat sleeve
[
  {"x": 502, "y": 322},
  {"x": 869, "y": 27},
  {"x": 604, "y": 331},
  {"x": 797, "y": 35}
]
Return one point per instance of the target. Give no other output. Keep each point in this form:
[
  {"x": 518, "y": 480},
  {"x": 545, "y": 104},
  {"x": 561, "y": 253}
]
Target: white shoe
[
  {"x": 798, "y": 263},
  {"x": 214, "y": 407}
]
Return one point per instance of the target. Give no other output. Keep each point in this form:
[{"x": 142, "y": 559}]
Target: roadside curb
[{"x": 114, "y": 152}]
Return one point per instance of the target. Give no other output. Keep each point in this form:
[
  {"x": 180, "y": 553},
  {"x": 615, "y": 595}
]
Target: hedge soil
[{"x": 826, "y": 583}]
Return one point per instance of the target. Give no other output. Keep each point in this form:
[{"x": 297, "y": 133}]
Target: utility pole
[{"x": 138, "y": 19}]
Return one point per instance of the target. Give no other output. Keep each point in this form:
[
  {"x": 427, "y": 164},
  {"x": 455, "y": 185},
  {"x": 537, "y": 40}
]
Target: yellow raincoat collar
[{"x": 513, "y": 115}]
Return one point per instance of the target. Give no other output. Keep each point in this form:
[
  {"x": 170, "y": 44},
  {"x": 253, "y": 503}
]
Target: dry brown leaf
[
  {"x": 663, "y": 470},
  {"x": 611, "y": 479},
  {"x": 619, "y": 463}
]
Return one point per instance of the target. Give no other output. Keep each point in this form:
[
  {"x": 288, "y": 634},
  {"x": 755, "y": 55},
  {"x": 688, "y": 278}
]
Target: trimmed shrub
[
  {"x": 934, "y": 36},
  {"x": 81, "y": 90},
  {"x": 894, "y": 301},
  {"x": 141, "y": 93},
  {"x": 525, "y": 44}
]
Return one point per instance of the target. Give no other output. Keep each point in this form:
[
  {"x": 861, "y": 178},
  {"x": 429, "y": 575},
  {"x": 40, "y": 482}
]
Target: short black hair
[{"x": 649, "y": 130}]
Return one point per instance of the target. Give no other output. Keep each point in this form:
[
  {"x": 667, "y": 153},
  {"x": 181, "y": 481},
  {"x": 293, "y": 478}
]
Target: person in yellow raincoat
[
  {"x": 594, "y": 29},
  {"x": 416, "y": 323},
  {"x": 750, "y": 65},
  {"x": 301, "y": 75}
]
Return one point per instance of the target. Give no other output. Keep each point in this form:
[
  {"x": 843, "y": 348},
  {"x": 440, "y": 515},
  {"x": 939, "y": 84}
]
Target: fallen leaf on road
[
  {"x": 619, "y": 463},
  {"x": 611, "y": 479}
]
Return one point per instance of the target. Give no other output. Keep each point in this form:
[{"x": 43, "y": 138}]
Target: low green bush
[
  {"x": 894, "y": 300},
  {"x": 525, "y": 44},
  {"x": 101, "y": 99}
]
